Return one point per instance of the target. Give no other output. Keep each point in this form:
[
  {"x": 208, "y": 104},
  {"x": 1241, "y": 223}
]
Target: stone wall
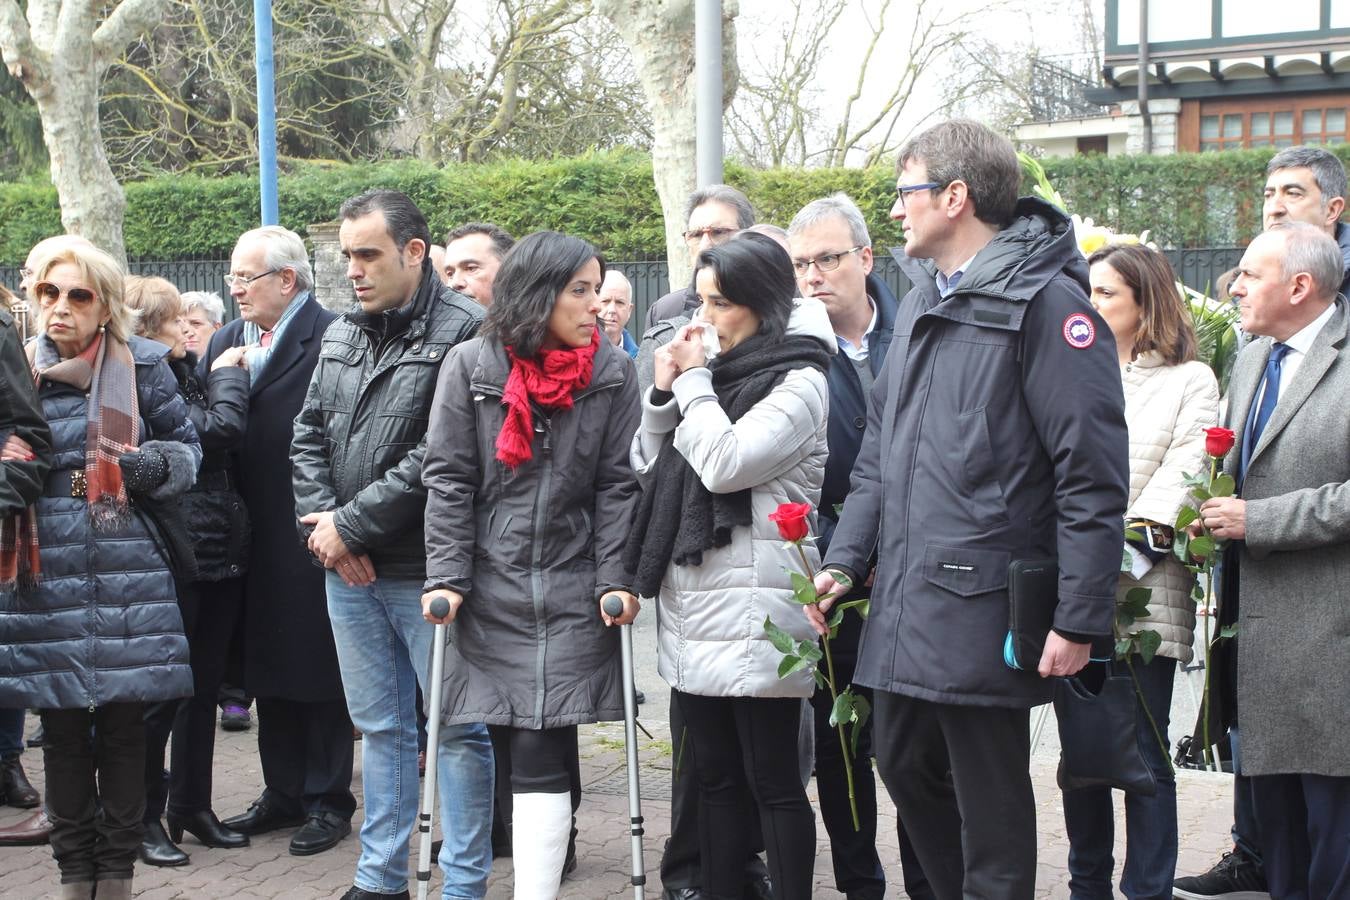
[
  {"x": 331, "y": 287},
  {"x": 1164, "y": 114}
]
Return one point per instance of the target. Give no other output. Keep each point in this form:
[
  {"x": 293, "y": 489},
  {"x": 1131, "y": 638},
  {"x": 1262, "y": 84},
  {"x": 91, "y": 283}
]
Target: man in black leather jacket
[{"x": 357, "y": 456}]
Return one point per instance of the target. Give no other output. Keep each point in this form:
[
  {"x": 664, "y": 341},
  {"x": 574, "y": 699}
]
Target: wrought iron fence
[{"x": 1198, "y": 269}]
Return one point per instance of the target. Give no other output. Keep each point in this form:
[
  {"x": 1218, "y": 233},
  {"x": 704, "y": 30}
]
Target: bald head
[{"x": 1287, "y": 278}]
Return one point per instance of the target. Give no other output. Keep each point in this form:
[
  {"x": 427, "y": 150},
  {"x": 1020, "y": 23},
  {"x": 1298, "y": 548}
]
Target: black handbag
[{"x": 1098, "y": 737}]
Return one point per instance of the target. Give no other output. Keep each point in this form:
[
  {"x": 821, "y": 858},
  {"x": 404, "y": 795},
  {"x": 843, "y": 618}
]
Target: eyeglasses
[
  {"x": 48, "y": 293},
  {"x": 716, "y": 234},
  {"x": 244, "y": 281},
  {"x": 825, "y": 262},
  {"x": 902, "y": 189}
]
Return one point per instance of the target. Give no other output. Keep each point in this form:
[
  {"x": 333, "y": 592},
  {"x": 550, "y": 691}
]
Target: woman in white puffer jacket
[
  {"x": 1170, "y": 399},
  {"x": 722, "y": 444}
]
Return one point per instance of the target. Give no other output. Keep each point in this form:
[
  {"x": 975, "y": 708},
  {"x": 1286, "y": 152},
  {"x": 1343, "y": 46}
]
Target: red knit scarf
[{"x": 548, "y": 379}]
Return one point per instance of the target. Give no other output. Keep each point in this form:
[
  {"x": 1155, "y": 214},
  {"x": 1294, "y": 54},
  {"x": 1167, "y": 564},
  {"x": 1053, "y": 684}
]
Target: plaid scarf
[
  {"x": 19, "y": 559},
  {"x": 106, "y": 370}
]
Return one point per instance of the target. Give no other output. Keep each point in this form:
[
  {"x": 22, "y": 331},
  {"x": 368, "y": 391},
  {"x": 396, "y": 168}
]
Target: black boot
[
  {"x": 14, "y": 787},
  {"x": 158, "y": 850}
]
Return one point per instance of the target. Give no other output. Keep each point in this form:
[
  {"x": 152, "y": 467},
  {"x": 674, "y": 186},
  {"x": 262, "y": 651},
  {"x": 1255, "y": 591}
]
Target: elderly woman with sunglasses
[{"x": 94, "y": 632}]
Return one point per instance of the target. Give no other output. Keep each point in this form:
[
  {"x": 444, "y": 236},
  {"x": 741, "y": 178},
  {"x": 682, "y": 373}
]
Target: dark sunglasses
[{"x": 48, "y": 293}]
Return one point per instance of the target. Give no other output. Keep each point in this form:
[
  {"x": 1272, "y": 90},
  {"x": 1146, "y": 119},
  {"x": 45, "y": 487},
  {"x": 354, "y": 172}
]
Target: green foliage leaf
[
  {"x": 1223, "y": 485},
  {"x": 809, "y": 651},
  {"x": 1198, "y": 592},
  {"x": 1202, "y": 546},
  {"x": 1149, "y": 642},
  {"x": 1228, "y": 631},
  {"x": 1201, "y": 494},
  {"x": 1126, "y": 561},
  {"x": 1136, "y": 601},
  {"x": 803, "y": 589},
  {"x": 842, "y": 711},
  {"x": 791, "y": 664},
  {"x": 1187, "y": 515},
  {"x": 781, "y": 640},
  {"x": 1123, "y": 647}
]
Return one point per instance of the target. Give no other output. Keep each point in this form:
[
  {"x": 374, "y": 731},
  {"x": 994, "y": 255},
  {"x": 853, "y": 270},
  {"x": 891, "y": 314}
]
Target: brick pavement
[{"x": 265, "y": 869}]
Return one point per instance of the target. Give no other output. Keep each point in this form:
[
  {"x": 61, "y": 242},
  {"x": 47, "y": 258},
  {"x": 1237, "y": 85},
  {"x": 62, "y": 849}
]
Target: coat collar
[
  {"x": 1326, "y": 348},
  {"x": 290, "y": 350}
]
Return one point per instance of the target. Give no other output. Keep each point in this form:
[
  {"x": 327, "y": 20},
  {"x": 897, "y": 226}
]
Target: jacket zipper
[{"x": 536, "y": 575}]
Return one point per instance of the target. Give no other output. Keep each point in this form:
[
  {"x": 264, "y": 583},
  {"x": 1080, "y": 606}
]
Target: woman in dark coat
[
  {"x": 212, "y": 515},
  {"x": 97, "y": 634},
  {"x": 530, "y": 493}
]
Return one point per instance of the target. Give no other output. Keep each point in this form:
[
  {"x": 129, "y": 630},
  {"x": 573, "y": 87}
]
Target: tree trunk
[
  {"x": 92, "y": 202},
  {"x": 660, "y": 34}
]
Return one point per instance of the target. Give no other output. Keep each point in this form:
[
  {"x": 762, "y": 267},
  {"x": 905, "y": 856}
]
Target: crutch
[
  {"x": 613, "y": 606},
  {"x": 440, "y": 608}
]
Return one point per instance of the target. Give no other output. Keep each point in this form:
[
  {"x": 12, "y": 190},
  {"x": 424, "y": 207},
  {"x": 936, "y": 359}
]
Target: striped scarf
[{"x": 107, "y": 372}]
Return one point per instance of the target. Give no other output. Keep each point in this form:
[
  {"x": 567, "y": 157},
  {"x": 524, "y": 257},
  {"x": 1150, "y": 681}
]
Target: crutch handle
[
  {"x": 440, "y": 607},
  {"x": 612, "y": 605}
]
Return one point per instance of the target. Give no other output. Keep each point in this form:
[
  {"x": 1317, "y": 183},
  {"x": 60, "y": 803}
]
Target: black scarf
[{"x": 678, "y": 517}]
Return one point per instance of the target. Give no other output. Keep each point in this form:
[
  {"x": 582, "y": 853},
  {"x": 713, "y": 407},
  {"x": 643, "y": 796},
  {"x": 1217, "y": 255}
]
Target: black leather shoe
[
  {"x": 14, "y": 787},
  {"x": 158, "y": 850},
  {"x": 357, "y": 893},
  {"x": 758, "y": 887},
  {"x": 205, "y": 827},
  {"x": 321, "y": 832},
  {"x": 261, "y": 818},
  {"x": 686, "y": 893}
]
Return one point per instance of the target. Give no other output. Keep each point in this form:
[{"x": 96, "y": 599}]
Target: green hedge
[{"x": 1186, "y": 200}]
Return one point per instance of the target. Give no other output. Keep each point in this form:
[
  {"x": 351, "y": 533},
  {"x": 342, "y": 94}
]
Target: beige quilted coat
[{"x": 1167, "y": 409}]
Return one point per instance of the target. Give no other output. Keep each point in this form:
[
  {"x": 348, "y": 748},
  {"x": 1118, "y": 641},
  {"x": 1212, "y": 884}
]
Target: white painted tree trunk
[
  {"x": 660, "y": 33},
  {"x": 59, "y": 53}
]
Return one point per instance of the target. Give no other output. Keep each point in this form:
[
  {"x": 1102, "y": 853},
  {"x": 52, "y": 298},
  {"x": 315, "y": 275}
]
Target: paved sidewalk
[{"x": 266, "y": 869}]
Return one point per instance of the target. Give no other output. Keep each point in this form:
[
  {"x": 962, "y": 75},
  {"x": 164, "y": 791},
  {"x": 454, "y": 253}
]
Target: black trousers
[
  {"x": 680, "y": 859},
  {"x": 1306, "y": 821},
  {"x": 210, "y": 610},
  {"x": 857, "y": 868},
  {"x": 306, "y": 754},
  {"x": 959, "y": 778},
  {"x": 745, "y": 754},
  {"x": 95, "y": 763}
]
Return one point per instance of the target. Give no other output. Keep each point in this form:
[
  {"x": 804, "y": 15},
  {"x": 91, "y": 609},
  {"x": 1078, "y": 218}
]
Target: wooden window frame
[{"x": 1272, "y": 104}]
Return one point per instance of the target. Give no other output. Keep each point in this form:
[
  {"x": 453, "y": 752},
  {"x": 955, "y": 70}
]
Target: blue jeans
[
  {"x": 1150, "y": 822},
  {"x": 384, "y": 650}
]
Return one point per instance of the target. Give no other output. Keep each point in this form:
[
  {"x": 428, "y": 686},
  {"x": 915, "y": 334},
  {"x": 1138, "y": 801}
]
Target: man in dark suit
[
  {"x": 1289, "y": 528},
  {"x": 290, "y": 663}
]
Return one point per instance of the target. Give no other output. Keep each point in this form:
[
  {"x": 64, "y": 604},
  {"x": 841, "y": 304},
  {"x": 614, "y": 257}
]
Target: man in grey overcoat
[{"x": 1290, "y": 528}]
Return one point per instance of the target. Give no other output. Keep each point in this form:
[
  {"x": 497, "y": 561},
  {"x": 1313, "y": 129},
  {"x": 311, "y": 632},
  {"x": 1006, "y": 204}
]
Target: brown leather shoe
[{"x": 32, "y": 831}]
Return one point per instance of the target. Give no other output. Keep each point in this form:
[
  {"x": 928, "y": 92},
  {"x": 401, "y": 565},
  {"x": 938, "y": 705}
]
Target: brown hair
[
  {"x": 1164, "y": 322},
  {"x": 155, "y": 300}
]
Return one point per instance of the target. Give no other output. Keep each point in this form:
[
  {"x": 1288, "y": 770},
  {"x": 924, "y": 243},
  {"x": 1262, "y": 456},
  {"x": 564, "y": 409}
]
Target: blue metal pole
[{"x": 267, "y": 111}]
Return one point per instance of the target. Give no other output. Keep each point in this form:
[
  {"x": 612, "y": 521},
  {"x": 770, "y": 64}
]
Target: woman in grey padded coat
[
  {"x": 97, "y": 634},
  {"x": 529, "y": 499},
  {"x": 722, "y": 444}
]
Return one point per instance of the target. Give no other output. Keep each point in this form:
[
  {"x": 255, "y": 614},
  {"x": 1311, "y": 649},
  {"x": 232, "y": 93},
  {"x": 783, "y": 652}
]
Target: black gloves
[{"x": 143, "y": 470}]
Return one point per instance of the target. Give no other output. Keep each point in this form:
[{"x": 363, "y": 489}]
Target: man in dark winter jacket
[
  {"x": 712, "y": 215},
  {"x": 832, "y": 255},
  {"x": 995, "y": 432},
  {"x": 357, "y": 456}
]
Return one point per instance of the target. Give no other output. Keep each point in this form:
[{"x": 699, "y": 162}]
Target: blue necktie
[{"x": 1260, "y": 414}]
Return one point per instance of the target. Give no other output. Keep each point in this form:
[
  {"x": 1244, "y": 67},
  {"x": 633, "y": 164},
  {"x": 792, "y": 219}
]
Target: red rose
[
  {"x": 791, "y": 520},
  {"x": 1218, "y": 441}
]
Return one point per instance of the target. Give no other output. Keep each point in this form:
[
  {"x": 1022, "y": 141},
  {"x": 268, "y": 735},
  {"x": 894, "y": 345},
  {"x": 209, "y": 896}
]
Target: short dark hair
[
  {"x": 1328, "y": 171},
  {"x": 527, "y": 285},
  {"x": 964, "y": 150},
  {"x": 502, "y": 242},
  {"x": 402, "y": 218},
  {"x": 722, "y": 193},
  {"x": 1164, "y": 320},
  {"x": 754, "y": 270}
]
